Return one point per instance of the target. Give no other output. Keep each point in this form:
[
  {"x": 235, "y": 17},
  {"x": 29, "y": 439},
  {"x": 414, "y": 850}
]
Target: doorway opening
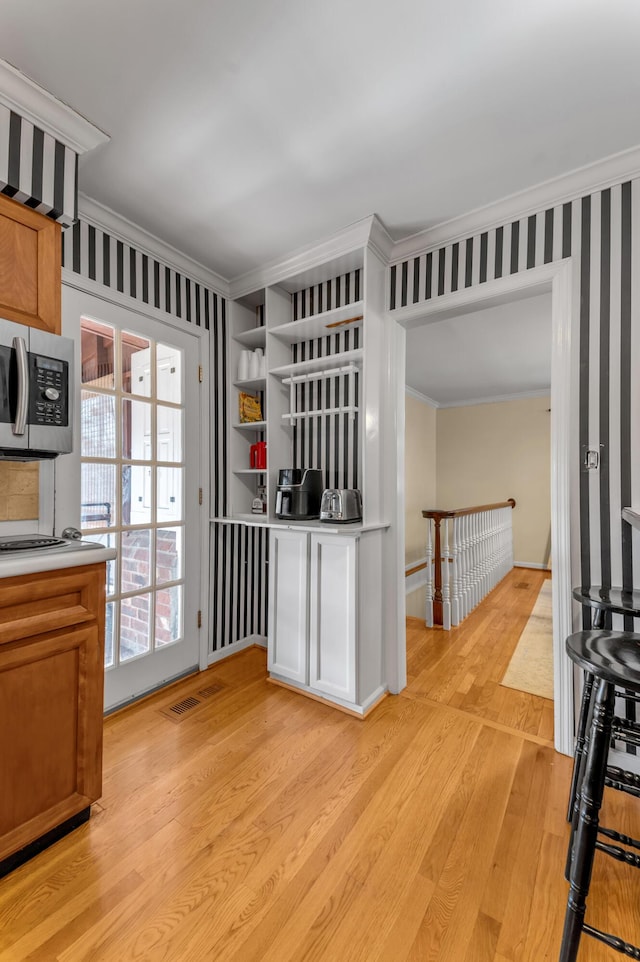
[
  {"x": 477, "y": 431},
  {"x": 553, "y": 279}
]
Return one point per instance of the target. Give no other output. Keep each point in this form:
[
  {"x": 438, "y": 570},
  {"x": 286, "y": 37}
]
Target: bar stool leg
[
  {"x": 584, "y": 843},
  {"x": 580, "y": 740}
]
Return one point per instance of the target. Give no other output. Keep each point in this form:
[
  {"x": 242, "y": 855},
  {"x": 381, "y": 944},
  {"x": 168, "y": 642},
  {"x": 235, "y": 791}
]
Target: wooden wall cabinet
[
  {"x": 30, "y": 267},
  {"x": 51, "y": 704}
]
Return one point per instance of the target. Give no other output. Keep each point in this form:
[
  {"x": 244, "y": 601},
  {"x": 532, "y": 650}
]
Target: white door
[{"x": 139, "y": 465}]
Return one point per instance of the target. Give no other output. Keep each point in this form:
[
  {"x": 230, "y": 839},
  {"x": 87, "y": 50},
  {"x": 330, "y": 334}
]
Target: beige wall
[
  {"x": 492, "y": 452},
  {"x": 420, "y": 485},
  {"x": 19, "y": 491}
]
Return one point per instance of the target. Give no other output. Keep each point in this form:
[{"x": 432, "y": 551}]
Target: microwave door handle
[{"x": 22, "y": 406}]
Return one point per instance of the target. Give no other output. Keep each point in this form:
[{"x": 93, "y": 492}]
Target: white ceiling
[
  {"x": 244, "y": 129},
  {"x": 500, "y": 352}
]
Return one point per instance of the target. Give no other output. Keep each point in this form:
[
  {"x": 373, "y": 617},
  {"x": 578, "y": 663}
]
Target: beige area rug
[{"x": 531, "y": 665}]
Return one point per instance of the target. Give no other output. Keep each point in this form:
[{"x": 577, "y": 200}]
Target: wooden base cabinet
[
  {"x": 324, "y": 632},
  {"x": 51, "y": 701}
]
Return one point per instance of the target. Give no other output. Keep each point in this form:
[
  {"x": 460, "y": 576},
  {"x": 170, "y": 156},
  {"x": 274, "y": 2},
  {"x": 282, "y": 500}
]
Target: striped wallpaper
[
  {"x": 238, "y": 555},
  {"x": 36, "y": 169},
  {"x": 330, "y": 442},
  {"x": 598, "y": 231}
]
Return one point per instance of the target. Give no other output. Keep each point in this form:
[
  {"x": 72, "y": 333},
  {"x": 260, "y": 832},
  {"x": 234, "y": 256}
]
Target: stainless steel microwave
[{"x": 36, "y": 393}]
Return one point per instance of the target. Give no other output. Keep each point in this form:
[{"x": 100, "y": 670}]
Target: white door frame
[
  {"x": 558, "y": 278},
  {"x": 67, "y": 470}
]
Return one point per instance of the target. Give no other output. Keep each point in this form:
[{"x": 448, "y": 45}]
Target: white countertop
[
  {"x": 70, "y": 555},
  {"x": 327, "y": 527}
]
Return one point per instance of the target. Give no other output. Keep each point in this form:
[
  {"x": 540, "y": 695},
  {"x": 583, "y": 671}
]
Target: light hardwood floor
[{"x": 264, "y": 827}]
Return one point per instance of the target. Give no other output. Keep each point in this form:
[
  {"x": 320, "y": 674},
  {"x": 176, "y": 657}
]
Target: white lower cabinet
[{"x": 321, "y": 635}]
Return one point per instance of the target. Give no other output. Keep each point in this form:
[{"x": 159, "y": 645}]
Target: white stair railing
[{"x": 469, "y": 551}]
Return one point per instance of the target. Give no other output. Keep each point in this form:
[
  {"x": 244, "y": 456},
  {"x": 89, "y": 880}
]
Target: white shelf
[
  {"x": 350, "y": 409},
  {"x": 255, "y": 383},
  {"x": 318, "y": 364},
  {"x": 251, "y": 426},
  {"x": 250, "y": 471},
  {"x": 251, "y": 339},
  {"x": 320, "y": 325}
]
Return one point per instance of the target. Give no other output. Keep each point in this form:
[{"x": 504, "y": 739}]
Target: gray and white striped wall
[
  {"x": 600, "y": 231},
  {"x": 331, "y": 441},
  {"x": 36, "y": 169}
]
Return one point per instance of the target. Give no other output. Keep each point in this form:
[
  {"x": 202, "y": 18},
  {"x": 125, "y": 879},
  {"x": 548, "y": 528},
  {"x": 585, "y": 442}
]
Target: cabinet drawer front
[{"x": 34, "y": 604}]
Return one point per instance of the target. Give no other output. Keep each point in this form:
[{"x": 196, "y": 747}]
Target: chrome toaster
[{"x": 341, "y": 505}]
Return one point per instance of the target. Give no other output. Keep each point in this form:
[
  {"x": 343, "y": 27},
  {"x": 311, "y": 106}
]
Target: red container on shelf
[{"x": 258, "y": 455}]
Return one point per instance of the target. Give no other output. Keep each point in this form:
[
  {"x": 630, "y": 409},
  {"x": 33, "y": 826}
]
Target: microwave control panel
[{"x": 49, "y": 391}]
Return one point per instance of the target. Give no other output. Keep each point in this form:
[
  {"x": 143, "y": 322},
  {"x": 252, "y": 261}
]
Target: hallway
[{"x": 462, "y": 668}]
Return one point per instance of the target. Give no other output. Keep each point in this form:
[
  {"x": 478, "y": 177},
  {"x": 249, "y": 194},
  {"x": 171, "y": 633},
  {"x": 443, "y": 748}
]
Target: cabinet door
[
  {"x": 30, "y": 267},
  {"x": 50, "y": 732},
  {"x": 333, "y": 607},
  {"x": 287, "y": 653}
]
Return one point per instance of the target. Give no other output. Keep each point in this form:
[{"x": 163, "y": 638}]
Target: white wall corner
[
  {"x": 421, "y": 397},
  {"x": 27, "y": 98}
]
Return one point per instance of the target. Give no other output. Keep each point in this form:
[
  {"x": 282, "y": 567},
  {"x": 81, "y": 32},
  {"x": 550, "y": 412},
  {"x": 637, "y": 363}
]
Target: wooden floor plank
[{"x": 268, "y": 827}]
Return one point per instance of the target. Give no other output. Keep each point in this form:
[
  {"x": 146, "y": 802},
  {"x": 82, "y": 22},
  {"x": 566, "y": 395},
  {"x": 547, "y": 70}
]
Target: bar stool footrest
[
  {"x": 626, "y": 730},
  {"x": 631, "y": 951},
  {"x": 627, "y": 695},
  {"x": 623, "y": 781},
  {"x": 619, "y": 837},
  {"x": 620, "y": 854}
]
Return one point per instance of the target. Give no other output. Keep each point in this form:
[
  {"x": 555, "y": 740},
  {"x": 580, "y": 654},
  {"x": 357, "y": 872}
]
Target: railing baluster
[
  {"x": 429, "y": 601},
  {"x": 469, "y": 551},
  {"x": 455, "y": 571},
  {"x": 446, "y": 558}
]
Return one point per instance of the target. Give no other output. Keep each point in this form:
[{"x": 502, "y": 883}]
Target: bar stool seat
[
  {"x": 612, "y": 659},
  {"x": 620, "y": 601}
]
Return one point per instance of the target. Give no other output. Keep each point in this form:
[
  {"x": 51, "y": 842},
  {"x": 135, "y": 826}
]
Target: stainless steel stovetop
[{"x": 18, "y": 545}]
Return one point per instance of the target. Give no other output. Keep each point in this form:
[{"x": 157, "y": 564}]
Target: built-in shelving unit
[{"x": 323, "y": 406}]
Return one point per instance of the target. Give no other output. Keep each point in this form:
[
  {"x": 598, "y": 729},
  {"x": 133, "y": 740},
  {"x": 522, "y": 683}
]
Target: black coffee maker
[{"x": 299, "y": 493}]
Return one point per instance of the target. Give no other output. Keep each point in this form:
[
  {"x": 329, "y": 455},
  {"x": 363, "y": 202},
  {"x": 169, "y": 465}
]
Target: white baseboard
[
  {"x": 531, "y": 564},
  {"x": 239, "y": 645}
]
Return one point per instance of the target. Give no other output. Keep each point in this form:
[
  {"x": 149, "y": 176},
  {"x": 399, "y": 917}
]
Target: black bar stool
[
  {"x": 616, "y": 601},
  {"x": 612, "y": 659}
]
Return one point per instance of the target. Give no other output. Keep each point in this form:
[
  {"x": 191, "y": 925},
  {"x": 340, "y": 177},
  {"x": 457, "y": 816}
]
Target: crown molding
[
  {"x": 604, "y": 173},
  {"x": 128, "y": 232},
  {"x": 27, "y": 98},
  {"x": 498, "y": 399},
  {"x": 341, "y": 244},
  {"x": 421, "y": 397},
  {"x": 380, "y": 240}
]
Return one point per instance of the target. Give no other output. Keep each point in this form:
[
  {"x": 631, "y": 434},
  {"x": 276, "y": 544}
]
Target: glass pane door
[{"x": 137, "y": 493}]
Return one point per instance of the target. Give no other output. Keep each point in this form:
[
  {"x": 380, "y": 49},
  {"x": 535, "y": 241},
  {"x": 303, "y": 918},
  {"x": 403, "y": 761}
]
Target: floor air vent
[
  {"x": 522, "y": 584},
  {"x": 190, "y": 703}
]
